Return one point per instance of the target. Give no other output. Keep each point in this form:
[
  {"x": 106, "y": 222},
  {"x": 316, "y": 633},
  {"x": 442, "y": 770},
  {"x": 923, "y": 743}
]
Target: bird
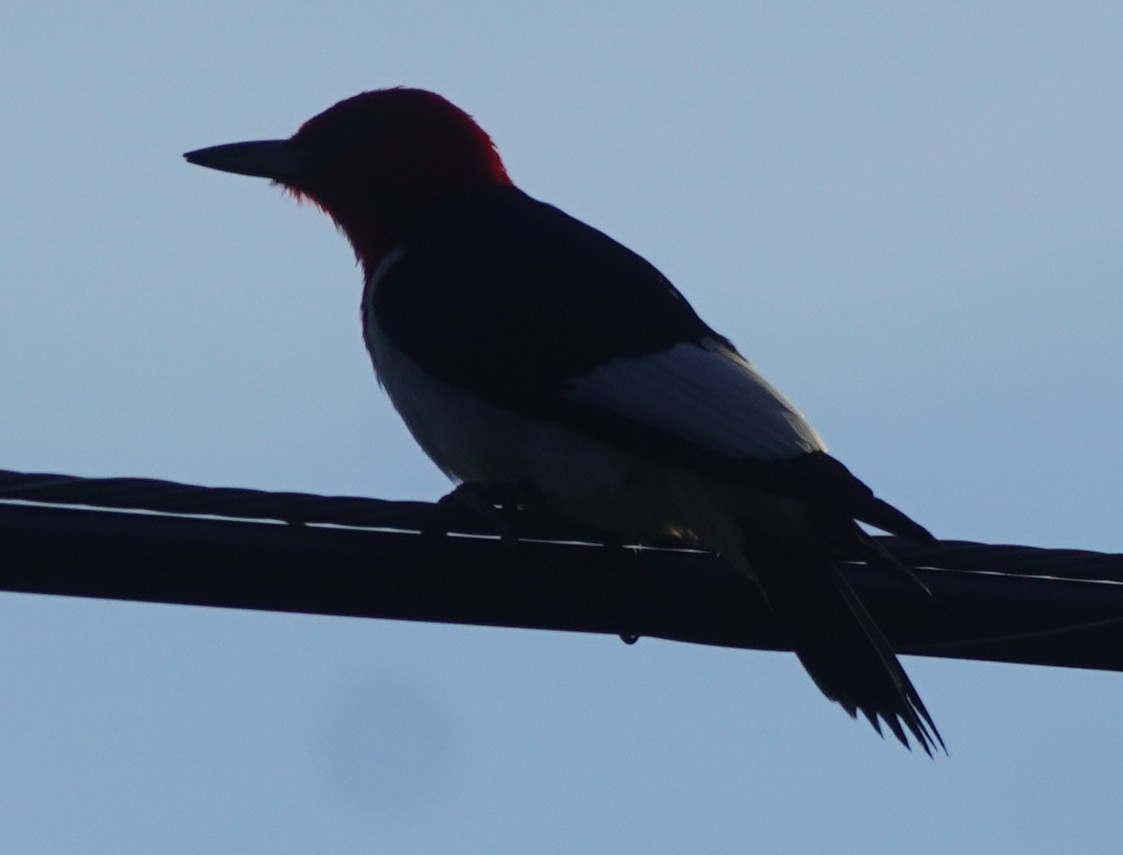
[{"x": 536, "y": 360}]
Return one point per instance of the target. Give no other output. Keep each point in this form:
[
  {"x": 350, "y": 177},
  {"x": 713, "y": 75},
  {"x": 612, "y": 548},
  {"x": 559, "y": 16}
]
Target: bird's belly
[{"x": 561, "y": 471}]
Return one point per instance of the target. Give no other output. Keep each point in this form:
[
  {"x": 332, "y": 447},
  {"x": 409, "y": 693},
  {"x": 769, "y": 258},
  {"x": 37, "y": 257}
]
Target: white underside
[
  {"x": 711, "y": 397},
  {"x": 476, "y": 442},
  {"x": 568, "y": 474}
]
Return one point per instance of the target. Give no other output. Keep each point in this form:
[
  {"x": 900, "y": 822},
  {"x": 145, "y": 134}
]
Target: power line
[{"x": 159, "y": 541}]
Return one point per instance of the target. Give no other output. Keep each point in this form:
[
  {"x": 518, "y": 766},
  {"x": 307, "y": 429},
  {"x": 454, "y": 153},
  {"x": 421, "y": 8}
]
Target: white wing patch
[{"x": 708, "y": 395}]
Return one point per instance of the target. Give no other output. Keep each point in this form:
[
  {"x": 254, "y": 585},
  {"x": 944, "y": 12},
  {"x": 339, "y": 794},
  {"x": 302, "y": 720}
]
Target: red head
[{"x": 382, "y": 164}]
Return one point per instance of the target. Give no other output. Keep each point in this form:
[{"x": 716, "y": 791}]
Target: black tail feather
[
  {"x": 884, "y": 516},
  {"x": 840, "y": 645}
]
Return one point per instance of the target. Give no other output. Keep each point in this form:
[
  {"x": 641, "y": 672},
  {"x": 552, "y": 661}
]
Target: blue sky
[{"x": 908, "y": 215}]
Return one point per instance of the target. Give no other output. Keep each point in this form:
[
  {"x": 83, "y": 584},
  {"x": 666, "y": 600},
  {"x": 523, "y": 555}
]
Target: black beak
[{"x": 281, "y": 160}]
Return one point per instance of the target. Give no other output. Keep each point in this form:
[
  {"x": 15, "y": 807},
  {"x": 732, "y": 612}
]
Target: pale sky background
[{"x": 908, "y": 215}]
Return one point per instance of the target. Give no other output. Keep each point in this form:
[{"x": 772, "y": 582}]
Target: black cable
[
  {"x": 158, "y": 541},
  {"x": 148, "y": 494}
]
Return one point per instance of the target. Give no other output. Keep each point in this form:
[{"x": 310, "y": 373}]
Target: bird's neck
[{"x": 376, "y": 230}]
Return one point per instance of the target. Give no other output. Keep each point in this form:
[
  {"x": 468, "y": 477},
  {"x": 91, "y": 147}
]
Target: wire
[{"x": 158, "y": 496}]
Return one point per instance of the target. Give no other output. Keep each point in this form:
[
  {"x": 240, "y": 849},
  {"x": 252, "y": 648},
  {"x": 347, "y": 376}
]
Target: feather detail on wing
[
  {"x": 705, "y": 406},
  {"x": 708, "y": 396}
]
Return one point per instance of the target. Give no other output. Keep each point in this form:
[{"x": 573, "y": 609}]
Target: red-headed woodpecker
[{"x": 533, "y": 356}]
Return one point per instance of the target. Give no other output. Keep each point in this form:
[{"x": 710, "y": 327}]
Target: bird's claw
[{"x": 494, "y": 505}]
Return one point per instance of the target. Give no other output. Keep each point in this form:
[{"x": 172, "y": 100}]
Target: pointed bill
[{"x": 281, "y": 160}]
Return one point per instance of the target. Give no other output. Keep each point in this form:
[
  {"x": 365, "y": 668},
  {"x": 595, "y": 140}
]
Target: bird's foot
[{"x": 495, "y": 505}]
